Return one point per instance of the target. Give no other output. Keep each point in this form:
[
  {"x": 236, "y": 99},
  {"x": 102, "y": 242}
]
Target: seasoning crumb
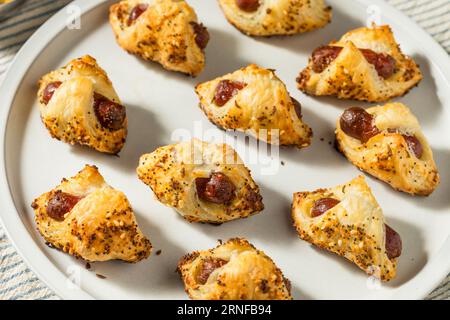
[
  {"x": 322, "y": 139},
  {"x": 88, "y": 265},
  {"x": 282, "y": 163},
  {"x": 330, "y": 143},
  {"x": 100, "y": 276},
  {"x": 158, "y": 252},
  {"x": 220, "y": 241}
]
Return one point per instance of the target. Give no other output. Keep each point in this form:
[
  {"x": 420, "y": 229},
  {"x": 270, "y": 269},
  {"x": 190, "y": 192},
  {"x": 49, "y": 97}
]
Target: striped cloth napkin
[{"x": 17, "y": 281}]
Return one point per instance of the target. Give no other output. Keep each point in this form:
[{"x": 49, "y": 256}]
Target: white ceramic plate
[{"x": 160, "y": 102}]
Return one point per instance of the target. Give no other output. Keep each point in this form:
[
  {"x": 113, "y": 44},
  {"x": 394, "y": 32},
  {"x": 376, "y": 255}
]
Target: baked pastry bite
[
  {"x": 234, "y": 270},
  {"x": 348, "y": 221},
  {"x": 387, "y": 142},
  {"x": 164, "y": 31},
  {"x": 78, "y": 105},
  {"x": 203, "y": 182},
  {"x": 365, "y": 64},
  {"x": 88, "y": 219},
  {"x": 254, "y": 100},
  {"x": 282, "y": 17}
]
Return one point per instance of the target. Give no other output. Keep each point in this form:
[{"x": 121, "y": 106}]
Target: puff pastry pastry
[
  {"x": 366, "y": 64},
  {"x": 78, "y": 105},
  {"x": 254, "y": 100},
  {"x": 282, "y": 17},
  {"x": 348, "y": 221},
  {"x": 164, "y": 31},
  {"x": 88, "y": 219},
  {"x": 235, "y": 270},
  {"x": 387, "y": 142},
  {"x": 204, "y": 182}
]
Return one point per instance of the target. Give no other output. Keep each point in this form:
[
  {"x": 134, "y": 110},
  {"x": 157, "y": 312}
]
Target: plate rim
[{"x": 425, "y": 281}]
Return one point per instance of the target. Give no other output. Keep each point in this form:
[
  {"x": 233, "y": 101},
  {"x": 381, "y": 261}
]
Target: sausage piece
[
  {"x": 248, "y": 5},
  {"x": 383, "y": 63},
  {"x": 49, "y": 91},
  {"x": 61, "y": 203},
  {"x": 201, "y": 34},
  {"x": 218, "y": 188},
  {"x": 359, "y": 124},
  {"x": 136, "y": 12},
  {"x": 111, "y": 115},
  {"x": 393, "y": 243},
  {"x": 208, "y": 266},
  {"x": 323, "y": 205},
  {"x": 227, "y": 89},
  {"x": 297, "y": 107}
]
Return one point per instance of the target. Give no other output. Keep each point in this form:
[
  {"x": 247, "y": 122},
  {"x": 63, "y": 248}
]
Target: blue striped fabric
[{"x": 17, "y": 281}]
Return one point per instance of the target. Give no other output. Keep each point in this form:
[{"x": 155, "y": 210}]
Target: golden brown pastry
[
  {"x": 366, "y": 64},
  {"x": 281, "y": 17},
  {"x": 387, "y": 142},
  {"x": 78, "y": 105},
  {"x": 235, "y": 270},
  {"x": 164, "y": 31},
  {"x": 88, "y": 219},
  {"x": 348, "y": 221},
  {"x": 254, "y": 100},
  {"x": 204, "y": 182}
]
